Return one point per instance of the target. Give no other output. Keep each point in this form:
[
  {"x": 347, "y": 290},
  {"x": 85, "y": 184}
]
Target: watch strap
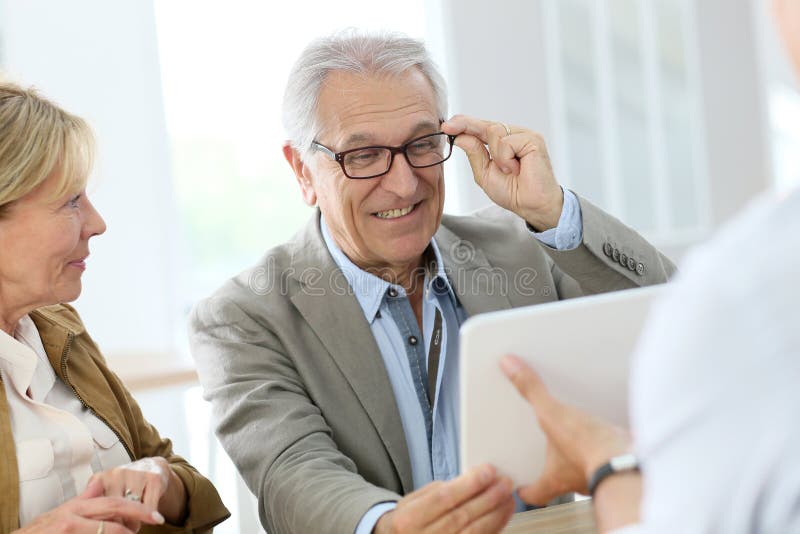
[{"x": 618, "y": 464}]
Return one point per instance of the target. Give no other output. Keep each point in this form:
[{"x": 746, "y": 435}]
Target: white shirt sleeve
[{"x": 715, "y": 387}]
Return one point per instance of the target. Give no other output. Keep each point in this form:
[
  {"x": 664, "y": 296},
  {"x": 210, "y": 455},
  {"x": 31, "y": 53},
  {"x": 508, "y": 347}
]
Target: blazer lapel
[
  {"x": 333, "y": 313},
  {"x": 479, "y": 287}
]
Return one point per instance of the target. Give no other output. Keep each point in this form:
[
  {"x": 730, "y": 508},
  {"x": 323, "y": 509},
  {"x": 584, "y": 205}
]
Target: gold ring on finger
[
  {"x": 101, "y": 527},
  {"x": 508, "y": 130}
]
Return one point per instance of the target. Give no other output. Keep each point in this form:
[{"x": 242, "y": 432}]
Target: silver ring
[
  {"x": 101, "y": 527},
  {"x": 504, "y": 125},
  {"x": 131, "y": 496}
]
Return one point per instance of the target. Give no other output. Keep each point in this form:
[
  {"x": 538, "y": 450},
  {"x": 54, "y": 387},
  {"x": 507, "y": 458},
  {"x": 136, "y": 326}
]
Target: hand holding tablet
[{"x": 581, "y": 349}]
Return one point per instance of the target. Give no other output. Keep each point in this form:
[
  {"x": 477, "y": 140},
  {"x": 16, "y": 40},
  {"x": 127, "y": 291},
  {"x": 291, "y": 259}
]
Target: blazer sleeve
[
  {"x": 612, "y": 256},
  {"x": 271, "y": 428}
]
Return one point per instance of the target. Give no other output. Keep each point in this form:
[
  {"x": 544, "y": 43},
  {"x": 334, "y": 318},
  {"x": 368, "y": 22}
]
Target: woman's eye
[{"x": 74, "y": 201}]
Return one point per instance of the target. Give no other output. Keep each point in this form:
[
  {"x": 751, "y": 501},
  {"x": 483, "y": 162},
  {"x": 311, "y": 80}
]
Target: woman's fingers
[{"x": 117, "y": 508}]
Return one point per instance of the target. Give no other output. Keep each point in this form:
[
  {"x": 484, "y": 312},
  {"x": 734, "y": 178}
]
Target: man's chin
[{"x": 400, "y": 252}]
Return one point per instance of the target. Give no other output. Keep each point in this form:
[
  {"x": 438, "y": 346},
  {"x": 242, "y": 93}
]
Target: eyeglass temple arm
[{"x": 325, "y": 149}]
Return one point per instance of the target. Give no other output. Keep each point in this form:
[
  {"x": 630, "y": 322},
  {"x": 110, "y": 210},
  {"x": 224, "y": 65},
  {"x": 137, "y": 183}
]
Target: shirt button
[
  {"x": 412, "y": 340},
  {"x": 392, "y": 292}
]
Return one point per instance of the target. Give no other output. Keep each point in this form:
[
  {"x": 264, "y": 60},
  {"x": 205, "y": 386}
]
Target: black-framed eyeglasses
[{"x": 372, "y": 161}]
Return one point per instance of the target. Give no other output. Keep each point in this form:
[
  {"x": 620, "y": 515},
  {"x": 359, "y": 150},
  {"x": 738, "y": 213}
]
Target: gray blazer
[{"x": 301, "y": 400}]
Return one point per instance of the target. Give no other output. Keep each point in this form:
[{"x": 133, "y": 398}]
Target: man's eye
[
  {"x": 363, "y": 157},
  {"x": 423, "y": 145}
]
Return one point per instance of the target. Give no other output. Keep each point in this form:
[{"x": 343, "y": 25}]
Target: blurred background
[{"x": 670, "y": 114}]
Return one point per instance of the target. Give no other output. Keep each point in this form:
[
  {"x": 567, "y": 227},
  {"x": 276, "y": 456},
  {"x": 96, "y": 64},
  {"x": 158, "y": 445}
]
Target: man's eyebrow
[
  {"x": 363, "y": 139},
  {"x": 358, "y": 139},
  {"x": 424, "y": 128}
]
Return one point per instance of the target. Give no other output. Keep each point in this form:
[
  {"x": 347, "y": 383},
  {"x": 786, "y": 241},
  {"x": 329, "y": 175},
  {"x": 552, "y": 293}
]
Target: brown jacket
[{"x": 78, "y": 363}]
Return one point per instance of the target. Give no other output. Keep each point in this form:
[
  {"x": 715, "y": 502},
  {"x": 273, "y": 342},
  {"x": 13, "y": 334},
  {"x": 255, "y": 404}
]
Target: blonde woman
[{"x": 75, "y": 452}]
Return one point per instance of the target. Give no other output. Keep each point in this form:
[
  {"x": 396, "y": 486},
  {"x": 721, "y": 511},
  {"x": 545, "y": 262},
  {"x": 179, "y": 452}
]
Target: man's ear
[{"x": 301, "y": 172}]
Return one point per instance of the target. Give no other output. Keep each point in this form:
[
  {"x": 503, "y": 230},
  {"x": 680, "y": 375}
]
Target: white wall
[
  {"x": 734, "y": 105},
  {"x": 99, "y": 60},
  {"x": 494, "y": 62}
]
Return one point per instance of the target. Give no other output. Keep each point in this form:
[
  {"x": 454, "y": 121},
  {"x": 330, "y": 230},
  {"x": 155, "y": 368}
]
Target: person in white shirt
[{"x": 715, "y": 400}]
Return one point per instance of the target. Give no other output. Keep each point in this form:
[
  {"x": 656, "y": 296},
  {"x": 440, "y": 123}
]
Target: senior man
[{"x": 332, "y": 365}]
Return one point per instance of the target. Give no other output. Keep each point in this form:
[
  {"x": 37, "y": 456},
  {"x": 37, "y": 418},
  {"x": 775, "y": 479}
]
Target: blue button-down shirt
[{"x": 431, "y": 435}]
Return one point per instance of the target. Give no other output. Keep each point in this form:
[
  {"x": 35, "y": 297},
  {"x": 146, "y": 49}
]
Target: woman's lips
[{"x": 78, "y": 264}]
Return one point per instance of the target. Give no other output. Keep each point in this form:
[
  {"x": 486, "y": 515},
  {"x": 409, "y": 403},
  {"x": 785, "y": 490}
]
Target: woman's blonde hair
[{"x": 37, "y": 138}]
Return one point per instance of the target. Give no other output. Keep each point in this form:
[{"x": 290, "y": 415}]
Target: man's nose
[{"x": 401, "y": 178}]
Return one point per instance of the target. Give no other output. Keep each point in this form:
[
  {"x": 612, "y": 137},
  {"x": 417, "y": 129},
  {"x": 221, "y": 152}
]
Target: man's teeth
[{"x": 393, "y": 214}]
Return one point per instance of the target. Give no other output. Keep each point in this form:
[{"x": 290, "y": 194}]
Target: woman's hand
[
  {"x": 149, "y": 481},
  {"x": 577, "y": 443},
  {"x": 86, "y": 512}
]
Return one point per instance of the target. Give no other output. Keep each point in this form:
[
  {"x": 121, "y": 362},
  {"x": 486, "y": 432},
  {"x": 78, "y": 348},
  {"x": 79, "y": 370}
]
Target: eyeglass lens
[{"x": 423, "y": 152}]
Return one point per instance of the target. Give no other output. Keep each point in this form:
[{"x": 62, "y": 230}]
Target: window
[
  {"x": 626, "y": 110},
  {"x": 224, "y": 68}
]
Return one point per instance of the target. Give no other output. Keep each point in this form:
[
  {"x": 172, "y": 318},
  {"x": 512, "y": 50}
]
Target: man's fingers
[
  {"x": 474, "y": 135},
  {"x": 495, "y": 497},
  {"x": 463, "y": 124},
  {"x": 424, "y": 490},
  {"x": 449, "y": 495},
  {"x": 477, "y": 155},
  {"x": 493, "y": 521},
  {"x": 504, "y": 151}
]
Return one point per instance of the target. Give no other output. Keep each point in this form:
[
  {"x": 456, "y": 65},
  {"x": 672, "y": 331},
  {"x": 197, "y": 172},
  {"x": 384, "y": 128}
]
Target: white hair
[{"x": 351, "y": 51}]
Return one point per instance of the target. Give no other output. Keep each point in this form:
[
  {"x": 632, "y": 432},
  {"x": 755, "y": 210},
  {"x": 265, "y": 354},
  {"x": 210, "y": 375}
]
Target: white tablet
[{"x": 580, "y": 347}]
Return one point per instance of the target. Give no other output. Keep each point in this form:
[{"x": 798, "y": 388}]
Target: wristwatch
[{"x": 617, "y": 464}]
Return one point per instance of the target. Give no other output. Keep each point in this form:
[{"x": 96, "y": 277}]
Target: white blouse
[{"x": 59, "y": 442}]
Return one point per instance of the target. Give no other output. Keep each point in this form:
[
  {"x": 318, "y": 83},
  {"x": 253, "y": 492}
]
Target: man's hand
[
  {"x": 512, "y": 166},
  {"x": 476, "y": 502},
  {"x": 577, "y": 443}
]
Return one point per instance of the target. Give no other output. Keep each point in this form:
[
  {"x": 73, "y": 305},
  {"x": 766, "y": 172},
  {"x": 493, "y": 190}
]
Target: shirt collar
[
  {"x": 20, "y": 354},
  {"x": 369, "y": 289}
]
